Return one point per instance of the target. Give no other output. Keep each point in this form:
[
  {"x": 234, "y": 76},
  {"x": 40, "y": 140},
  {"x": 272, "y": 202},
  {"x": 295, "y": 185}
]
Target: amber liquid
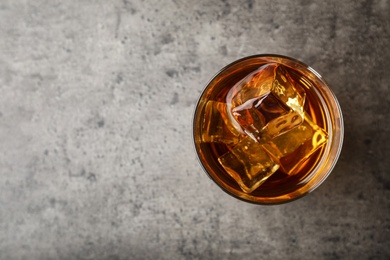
[{"x": 279, "y": 183}]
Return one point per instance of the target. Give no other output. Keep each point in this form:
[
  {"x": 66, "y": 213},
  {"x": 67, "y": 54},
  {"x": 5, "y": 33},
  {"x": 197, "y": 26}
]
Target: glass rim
[{"x": 334, "y": 149}]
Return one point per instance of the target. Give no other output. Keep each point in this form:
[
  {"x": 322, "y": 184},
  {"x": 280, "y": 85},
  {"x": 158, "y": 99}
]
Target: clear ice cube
[
  {"x": 216, "y": 125},
  {"x": 248, "y": 164},
  {"x": 290, "y": 150},
  {"x": 256, "y": 84},
  {"x": 266, "y": 103},
  {"x": 287, "y": 90}
]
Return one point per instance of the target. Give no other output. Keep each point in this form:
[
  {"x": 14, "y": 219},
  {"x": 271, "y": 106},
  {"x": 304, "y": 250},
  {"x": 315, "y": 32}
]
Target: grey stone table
[{"x": 96, "y": 155}]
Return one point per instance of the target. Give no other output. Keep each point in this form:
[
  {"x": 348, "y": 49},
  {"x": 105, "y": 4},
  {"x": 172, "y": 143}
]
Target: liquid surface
[{"x": 265, "y": 130}]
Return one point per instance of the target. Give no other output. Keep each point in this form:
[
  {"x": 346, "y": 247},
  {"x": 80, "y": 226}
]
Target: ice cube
[
  {"x": 267, "y": 109},
  {"x": 290, "y": 150},
  {"x": 216, "y": 126},
  {"x": 248, "y": 164},
  {"x": 288, "y": 91},
  {"x": 256, "y": 84}
]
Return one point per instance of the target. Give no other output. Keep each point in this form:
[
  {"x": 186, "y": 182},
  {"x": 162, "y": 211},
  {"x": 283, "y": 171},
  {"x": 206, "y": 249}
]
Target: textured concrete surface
[{"x": 96, "y": 155}]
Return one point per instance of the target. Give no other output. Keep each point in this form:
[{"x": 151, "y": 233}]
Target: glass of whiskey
[{"x": 267, "y": 129}]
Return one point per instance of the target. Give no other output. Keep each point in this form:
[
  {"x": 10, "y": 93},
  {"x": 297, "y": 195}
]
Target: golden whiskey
[{"x": 261, "y": 128}]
